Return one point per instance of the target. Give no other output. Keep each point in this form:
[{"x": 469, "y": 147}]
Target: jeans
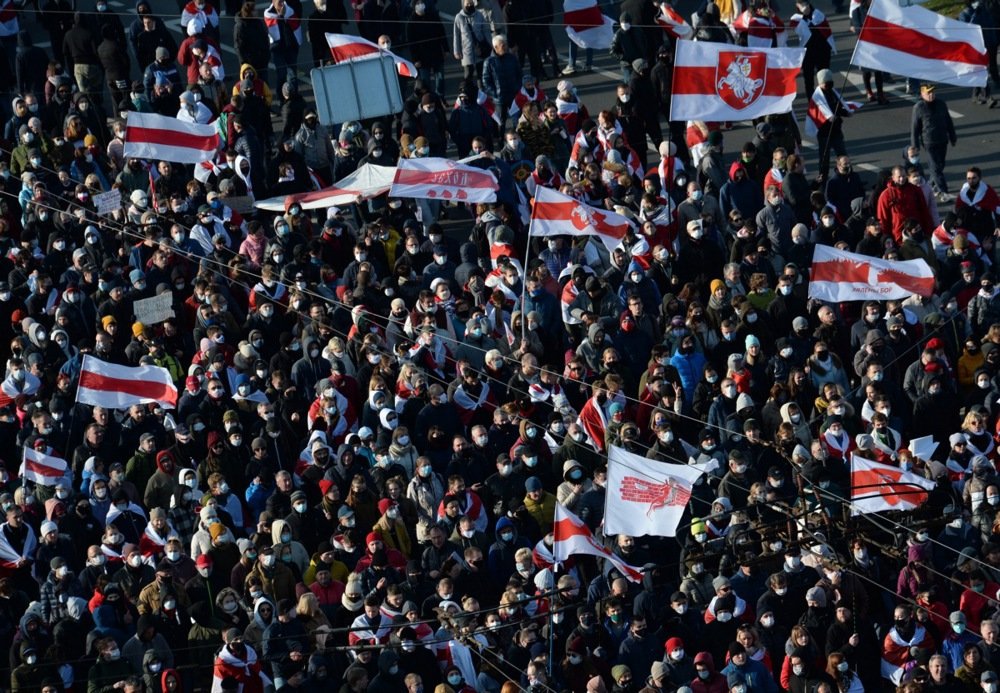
[
  {"x": 433, "y": 78},
  {"x": 284, "y": 59},
  {"x": 936, "y": 154},
  {"x": 573, "y": 51}
]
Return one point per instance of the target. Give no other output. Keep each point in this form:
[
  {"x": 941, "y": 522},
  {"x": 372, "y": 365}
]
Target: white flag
[{"x": 645, "y": 496}]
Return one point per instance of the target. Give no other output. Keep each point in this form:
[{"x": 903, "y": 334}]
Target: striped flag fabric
[
  {"x": 586, "y": 25},
  {"x": 819, "y": 111},
  {"x": 672, "y": 23},
  {"x": 803, "y": 28},
  {"x": 43, "y": 469},
  {"x": 837, "y": 275},
  {"x": 119, "y": 387},
  {"x": 9, "y": 556},
  {"x": 153, "y": 136},
  {"x": 915, "y": 42},
  {"x": 556, "y": 214},
  {"x": 434, "y": 178},
  {"x": 573, "y": 537},
  {"x": 721, "y": 82},
  {"x": 345, "y": 48},
  {"x": 876, "y": 487}
]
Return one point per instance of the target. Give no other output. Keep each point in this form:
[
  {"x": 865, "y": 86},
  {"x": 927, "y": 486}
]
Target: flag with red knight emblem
[
  {"x": 645, "y": 496},
  {"x": 876, "y": 487},
  {"x": 720, "y": 82},
  {"x": 555, "y": 214},
  {"x": 572, "y": 537}
]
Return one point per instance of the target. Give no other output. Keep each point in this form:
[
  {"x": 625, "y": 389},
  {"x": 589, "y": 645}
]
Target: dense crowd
[{"x": 380, "y": 404}]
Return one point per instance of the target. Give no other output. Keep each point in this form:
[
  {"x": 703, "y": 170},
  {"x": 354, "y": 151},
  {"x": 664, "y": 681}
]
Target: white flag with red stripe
[
  {"x": 9, "y": 557},
  {"x": 672, "y": 23},
  {"x": 721, "y": 82},
  {"x": 119, "y": 387},
  {"x": 837, "y": 275},
  {"x": 819, "y": 111},
  {"x": 434, "y": 178},
  {"x": 153, "y": 136},
  {"x": 645, "y": 496},
  {"x": 804, "y": 27},
  {"x": 876, "y": 487},
  {"x": 346, "y": 48},
  {"x": 41, "y": 468},
  {"x": 556, "y": 214},
  {"x": 586, "y": 26},
  {"x": 572, "y": 537},
  {"x": 915, "y": 42}
]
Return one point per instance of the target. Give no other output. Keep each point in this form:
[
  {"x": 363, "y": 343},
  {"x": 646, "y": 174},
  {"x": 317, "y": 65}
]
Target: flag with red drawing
[
  {"x": 672, "y": 23},
  {"x": 112, "y": 386},
  {"x": 915, "y": 42},
  {"x": 804, "y": 27},
  {"x": 838, "y": 275},
  {"x": 572, "y": 537},
  {"x": 434, "y": 178},
  {"x": 819, "y": 110},
  {"x": 721, "y": 82},
  {"x": 876, "y": 487},
  {"x": 586, "y": 25},
  {"x": 153, "y": 136},
  {"x": 41, "y": 468},
  {"x": 556, "y": 214},
  {"x": 645, "y": 496},
  {"x": 346, "y": 48}
]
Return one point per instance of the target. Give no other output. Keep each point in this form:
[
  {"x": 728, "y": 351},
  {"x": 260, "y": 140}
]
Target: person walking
[{"x": 931, "y": 127}]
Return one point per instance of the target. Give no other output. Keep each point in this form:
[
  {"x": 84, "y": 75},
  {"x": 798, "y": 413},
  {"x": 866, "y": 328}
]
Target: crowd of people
[{"x": 380, "y": 405}]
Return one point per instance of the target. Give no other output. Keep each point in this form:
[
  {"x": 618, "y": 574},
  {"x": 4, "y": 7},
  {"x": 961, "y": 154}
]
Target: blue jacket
[
  {"x": 690, "y": 368},
  {"x": 502, "y": 79},
  {"x": 758, "y": 679}
]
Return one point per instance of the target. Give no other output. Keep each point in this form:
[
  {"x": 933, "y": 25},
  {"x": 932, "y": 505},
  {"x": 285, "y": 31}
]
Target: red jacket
[{"x": 897, "y": 203}]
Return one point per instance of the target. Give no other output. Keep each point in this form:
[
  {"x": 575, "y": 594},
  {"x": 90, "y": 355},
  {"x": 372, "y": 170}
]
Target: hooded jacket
[
  {"x": 715, "y": 683},
  {"x": 389, "y": 679}
]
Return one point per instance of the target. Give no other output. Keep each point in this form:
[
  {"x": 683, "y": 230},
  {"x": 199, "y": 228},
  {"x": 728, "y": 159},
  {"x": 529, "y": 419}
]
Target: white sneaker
[{"x": 568, "y": 70}]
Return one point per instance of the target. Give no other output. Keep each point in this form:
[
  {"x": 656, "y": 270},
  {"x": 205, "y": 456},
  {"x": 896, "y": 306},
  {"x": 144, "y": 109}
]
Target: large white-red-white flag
[
  {"x": 819, "y": 111},
  {"x": 721, "y": 82},
  {"x": 43, "y": 469},
  {"x": 837, "y": 275},
  {"x": 645, "y": 496},
  {"x": 586, "y": 26},
  {"x": 109, "y": 385},
  {"x": 915, "y": 42},
  {"x": 153, "y": 136},
  {"x": 876, "y": 487},
  {"x": 572, "y": 537},
  {"x": 435, "y": 178},
  {"x": 346, "y": 48},
  {"x": 556, "y": 214}
]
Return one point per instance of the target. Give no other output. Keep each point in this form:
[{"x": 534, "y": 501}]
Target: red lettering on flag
[{"x": 656, "y": 495}]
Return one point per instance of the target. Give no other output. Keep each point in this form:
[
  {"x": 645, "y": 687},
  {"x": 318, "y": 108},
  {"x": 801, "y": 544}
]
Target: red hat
[
  {"x": 673, "y": 644},
  {"x": 385, "y": 504},
  {"x": 325, "y": 485},
  {"x": 204, "y": 560},
  {"x": 17, "y": 316},
  {"x": 192, "y": 382},
  {"x": 373, "y": 536},
  {"x": 935, "y": 344},
  {"x": 213, "y": 439}
]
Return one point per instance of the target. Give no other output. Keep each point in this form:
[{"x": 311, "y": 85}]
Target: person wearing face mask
[{"x": 902, "y": 642}]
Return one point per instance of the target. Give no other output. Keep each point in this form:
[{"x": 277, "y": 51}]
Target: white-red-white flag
[
  {"x": 876, "y": 487},
  {"x": 119, "y": 387},
  {"x": 572, "y": 537},
  {"x": 803, "y": 28},
  {"x": 721, "y": 82},
  {"x": 672, "y": 23},
  {"x": 837, "y": 275},
  {"x": 346, "y": 48},
  {"x": 434, "y": 178},
  {"x": 645, "y": 496},
  {"x": 153, "y": 136},
  {"x": 366, "y": 182},
  {"x": 586, "y": 26},
  {"x": 819, "y": 111},
  {"x": 43, "y": 469},
  {"x": 556, "y": 214},
  {"x": 915, "y": 42}
]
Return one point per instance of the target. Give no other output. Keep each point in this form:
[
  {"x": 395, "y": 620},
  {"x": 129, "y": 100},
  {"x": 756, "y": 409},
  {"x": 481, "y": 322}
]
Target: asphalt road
[{"x": 876, "y": 135}]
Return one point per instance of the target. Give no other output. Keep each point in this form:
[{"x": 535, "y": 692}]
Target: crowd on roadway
[{"x": 380, "y": 404}]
